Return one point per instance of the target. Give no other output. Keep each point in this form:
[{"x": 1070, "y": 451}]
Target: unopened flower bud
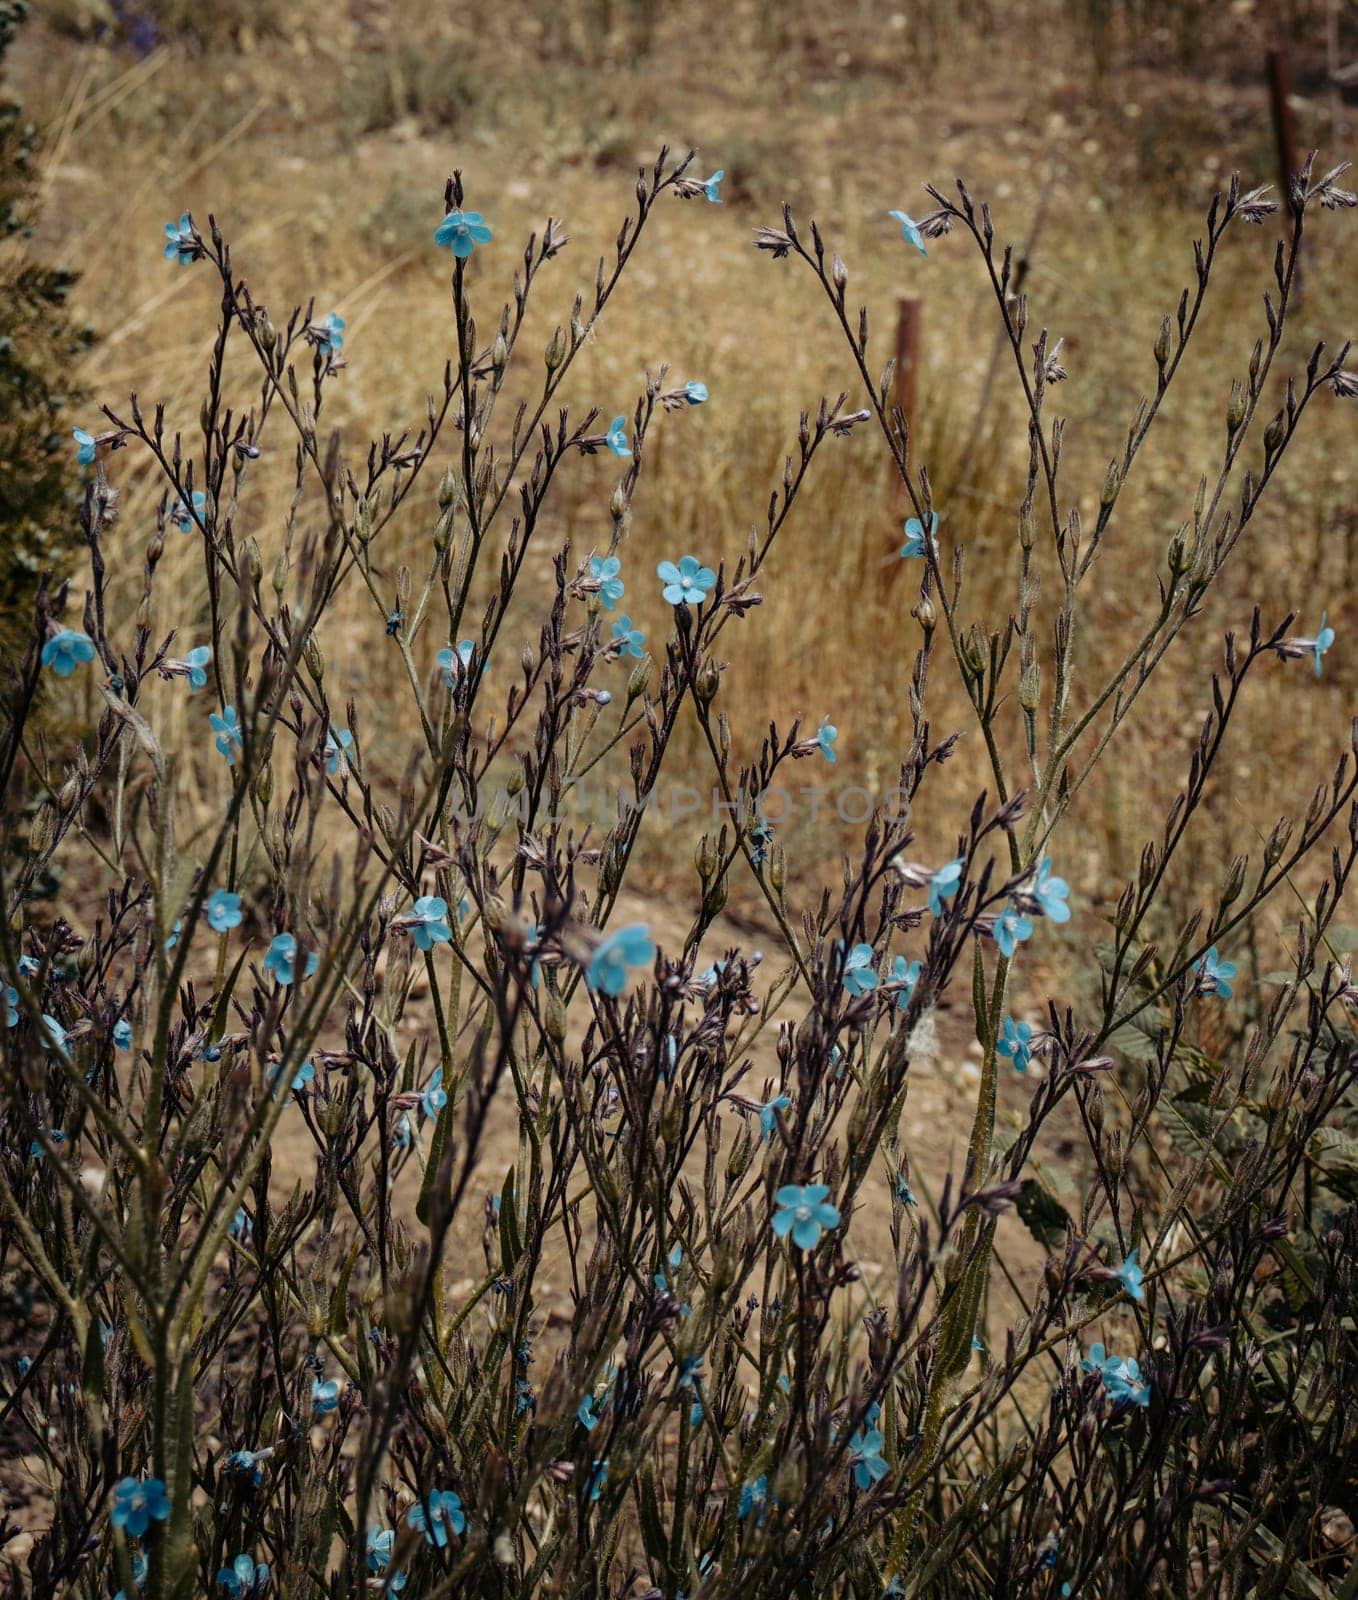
[
  {"x": 641, "y": 676},
  {"x": 1112, "y": 482},
  {"x": 314, "y": 657},
  {"x": 1235, "y": 407},
  {"x": 705, "y": 685},
  {"x": 1162, "y": 342},
  {"x": 924, "y": 613},
  {"x": 268, "y": 334},
  {"x": 447, "y": 487},
  {"x": 555, "y": 353},
  {"x": 1026, "y": 526}
]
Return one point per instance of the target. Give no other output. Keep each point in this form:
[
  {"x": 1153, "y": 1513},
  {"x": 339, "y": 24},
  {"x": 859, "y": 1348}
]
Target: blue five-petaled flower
[
  {"x": 244, "y": 1577},
  {"x": 196, "y": 661},
  {"x": 227, "y": 728},
  {"x": 1051, "y": 893},
  {"x": 457, "y": 663},
  {"x": 903, "y": 978},
  {"x": 1131, "y": 1277},
  {"x": 281, "y": 958},
  {"x": 428, "y": 922},
  {"x": 616, "y": 437},
  {"x": 804, "y": 1212},
  {"x": 337, "y": 748},
  {"x": 687, "y": 584},
  {"x": 87, "y": 446},
  {"x": 910, "y": 230},
  {"x": 1214, "y": 974},
  {"x": 65, "y": 650},
  {"x": 1011, "y": 929},
  {"x": 859, "y": 974},
  {"x": 181, "y": 242},
  {"x": 628, "y": 947},
  {"x": 632, "y": 639},
  {"x": 181, "y": 515},
  {"x": 768, "y": 1115},
  {"x": 223, "y": 910},
  {"x": 462, "y": 231},
  {"x": 710, "y": 186},
  {"x": 137, "y": 1503},
  {"x": 606, "y": 569},
  {"x": 917, "y": 541},
  {"x": 1322, "y": 641},
  {"x": 695, "y": 393},
  {"x": 754, "y": 1496},
  {"x": 443, "y": 1516},
  {"x": 435, "y": 1096},
  {"x": 328, "y": 334},
  {"x": 1015, "y": 1041},
  {"x": 325, "y": 1396},
  {"x": 122, "y": 1034},
  {"x": 826, "y": 735},
  {"x": 1121, "y": 1377},
  {"x": 943, "y": 884},
  {"x": 866, "y": 1459}
]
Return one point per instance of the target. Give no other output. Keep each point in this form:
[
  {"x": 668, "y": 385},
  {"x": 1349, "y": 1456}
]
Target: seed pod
[
  {"x": 555, "y": 353},
  {"x": 641, "y": 676},
  {"x": 924, "y": 613},
  {"x": 314, "y": 658}
]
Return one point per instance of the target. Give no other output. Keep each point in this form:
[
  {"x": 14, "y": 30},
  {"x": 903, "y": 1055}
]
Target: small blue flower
[
  {"x": 917, "y": 541},
  {"x": 223, "y": 911},
  {"x": 29, "y": 967},
  {"x": 85, "y": 454},
  {"x": 1051, "y": 893},
  {"x": 1011, "y": 929},
  {"x": 428, "y": 922},
  {"x": 943, "y": 885},
  {"x": 183, "y": 518},
  {"x": 435, "y": 1096},
  {"x": 866, "y": 1459},
  {"x": 281, "y": 957},
  {"x": 616, "y": 437},
  {"x": 457, "y": 663},
  {"x": 761, "y": 837},
  {"x": 826, "y": 735},
  {"x": 56, "y": 1034},
  {"x": 1131, "y": 1277},
  {"x": 461, "y": 232},
  {"x": 687, "y": 584},
  {"x": 804, "y": 1212},
  {"x": 768, "y": 1115},
  {"x": 54, "y": 1136},
  {"x": 1322, "y": 642},
  {"x": 1214, "y": 974},
  {"x": 910, "y": 230},
  {"x": 122, "y": 1034},
  {"x": 381, "y": 1544},
  {"x": 181, "y": 242},
  {"x": 11, "y": 1007},
  {"x": 633, "y": 639},
  {"x": 404, "y": 1134},
  {"x": 304, "y": 1076},
  {"x": 328, "y": 334},
  {"x": 444, "y": 1516},
  {"x": 240, "y": 1228},
  {"x": 695, "y": 393},
  {"x": 173, "y": 940},
  {"x": 1015, "y": 1041},
  {"x": 597, "y": 1479},
  {"x": 859, "y": 974},
  {"x": 606, "y": 569},
  {"x": 754, "y": 1496},
  {"x": 904, "y": 1193},
  {"x": 710, "y": 186},
  {"x": 325, "y": 1396},
  {"x": 65, "y": 650},
  {"x": 587, "y": 1413},
  {"x": 903, "y": 978},
  {"x": 337, "y": 748},
  {"x": 137, "y": 1503},
  {"x": 196, "y": 661},
  {"x": 629, "y": 947},
  {"x": 243, "y": 1577},
  {"x": 227, "y": 728},
  {"x": 1121, "y": 1377}
]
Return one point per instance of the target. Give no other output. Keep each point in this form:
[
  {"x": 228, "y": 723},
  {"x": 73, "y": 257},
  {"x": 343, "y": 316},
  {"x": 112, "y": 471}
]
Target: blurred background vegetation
[{"x": 320, "y": 138}]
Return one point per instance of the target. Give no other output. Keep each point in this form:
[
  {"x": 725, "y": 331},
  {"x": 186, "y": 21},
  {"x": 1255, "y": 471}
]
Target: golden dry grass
[{"x": 321, "y": 146}]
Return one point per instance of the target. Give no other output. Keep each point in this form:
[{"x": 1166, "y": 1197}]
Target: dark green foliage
[{"x": 38, "y": 525}]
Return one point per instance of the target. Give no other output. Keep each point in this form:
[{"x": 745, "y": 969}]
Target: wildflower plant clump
[{"x": 647, "y": 1354}]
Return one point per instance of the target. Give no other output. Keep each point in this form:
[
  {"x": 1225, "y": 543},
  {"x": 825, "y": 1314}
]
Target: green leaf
[
  {"x": 511, "y": 1246},
  {"x": 1042, "y": 1213}
]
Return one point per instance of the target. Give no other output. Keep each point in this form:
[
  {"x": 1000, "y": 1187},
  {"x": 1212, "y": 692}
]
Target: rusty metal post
[
  {"x": 905, "y": 379},
  {"x": 1285, "y": 133}
]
